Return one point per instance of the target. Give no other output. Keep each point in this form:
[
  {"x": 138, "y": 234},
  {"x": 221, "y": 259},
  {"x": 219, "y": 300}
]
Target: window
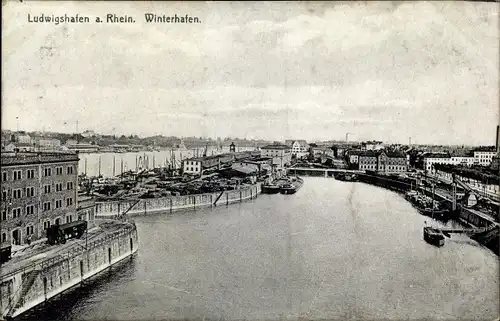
[
  {"x": 69, "y": 219},
  {"x": 29, "y": 230},
  {"x": 4, "y": 237},
  {"x": 4, "y": 176},
  {"x": 18, "y": 175},
  {"x": 4, "y": 194},
  {"x": 30, "y": 191},
  {"x": 69, "y": 185},
  {"x": 70, "y": 170},
  {"x": 58, "y": 203},
  {"x": 46, "y": 225},
  {"x": 46, "y": 206},
  {"x": 58, "y": 187},
  {"x": 30, "y": 173},
  {"x": 47, "y": 172},
  {"x": 59, "y": 170},
  {"x": 4, "y": 215},
  {"x": 16, "y": 212},
  {"x": 46, "y": 189},
  {"x": 16, "y": 193},
  {"x": 30, "y": 209},
  {"x": 69, "y": 201}
]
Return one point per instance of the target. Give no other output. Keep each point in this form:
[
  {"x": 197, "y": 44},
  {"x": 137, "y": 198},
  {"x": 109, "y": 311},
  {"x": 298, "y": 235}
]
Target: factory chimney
[{"x": 497, "y": 142}]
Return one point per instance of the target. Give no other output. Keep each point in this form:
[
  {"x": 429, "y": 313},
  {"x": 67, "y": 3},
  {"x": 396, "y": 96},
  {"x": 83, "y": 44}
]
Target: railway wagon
[
  {"x": 58, "y": 234},
  {"x": 5, "y": 252}
]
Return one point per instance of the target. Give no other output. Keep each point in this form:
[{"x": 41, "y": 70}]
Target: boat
[
  {"x": 292, "y": 186},
  {"x": 433, "y": 236},
  {"x": 442, "y": 214},
  {"x": 411, "y": 195},
  {"x": 270, "y": 188}
]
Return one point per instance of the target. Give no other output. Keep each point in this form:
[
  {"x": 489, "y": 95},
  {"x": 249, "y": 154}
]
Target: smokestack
[{"x": 498, "y": 139}]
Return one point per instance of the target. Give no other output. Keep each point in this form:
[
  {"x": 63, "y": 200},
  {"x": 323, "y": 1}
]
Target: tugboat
[
  {"x": 292, "y": 186},
  {"x": 433, "y": 236}
]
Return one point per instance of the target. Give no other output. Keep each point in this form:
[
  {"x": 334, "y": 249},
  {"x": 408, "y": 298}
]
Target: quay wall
[
  {"x": 468, "y": 216},
  {"x": 32, "y": 285},
  {"x": 175, "y": 203}
]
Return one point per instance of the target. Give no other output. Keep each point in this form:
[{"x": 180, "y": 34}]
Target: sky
[{"x": 272, "y": 70}]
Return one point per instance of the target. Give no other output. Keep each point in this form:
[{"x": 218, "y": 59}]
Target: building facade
[
  {"x": 367, "y": 161},
  {"x": 280, "y": 154},
  {"x": 484, "y": 156},
  {"x": 192, "y": 166},
  {"x": 38, "y": 190},
  {"x": 382, "y": 161},
  {"x": 298, "y": 147},
  {"x": 196, "y": 165},
  {"x": 391, "y": 162},
  {"x": 430, "y": 159}
]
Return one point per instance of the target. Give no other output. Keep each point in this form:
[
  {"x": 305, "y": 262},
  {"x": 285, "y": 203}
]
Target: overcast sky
[{"x": 383, "y": 71}]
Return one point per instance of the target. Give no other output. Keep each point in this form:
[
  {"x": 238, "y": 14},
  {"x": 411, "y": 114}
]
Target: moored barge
[
  {"x": 433, "y": 236},
  {"x": 292, "y": 186}
]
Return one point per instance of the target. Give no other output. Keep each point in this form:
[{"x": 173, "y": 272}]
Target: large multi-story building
[
  {"x": 38, "y": 190},
  {"x": 382, "y": 161},
  {"x": 280, "y": 154},
  {"x": 433, "y": 158},
  {"x": 484, "y": 155},
  {"x": 368, "y": 161}
]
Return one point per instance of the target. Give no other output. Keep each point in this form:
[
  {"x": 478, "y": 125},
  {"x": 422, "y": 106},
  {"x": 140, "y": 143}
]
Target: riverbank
[
  {"x": 34, "y": 278},
  {"x": 333, "y": 251},
  {"x": 465, "y": 216},
  {"x": 175, "y": 203}
]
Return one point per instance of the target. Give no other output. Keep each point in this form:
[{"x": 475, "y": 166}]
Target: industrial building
[{"x": 38, "y": 190}]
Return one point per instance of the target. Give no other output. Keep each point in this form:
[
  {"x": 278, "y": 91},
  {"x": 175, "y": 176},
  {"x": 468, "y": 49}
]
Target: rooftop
[
  {"x": 276, "y": 146},
  {"x": 436, "y": 155},
  {"x": 485, "y": 149},
  {"x": 369, "y": 153},
  {"x": 9, "y": 159}
]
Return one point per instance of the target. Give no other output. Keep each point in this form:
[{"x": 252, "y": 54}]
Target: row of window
[
  {"x": 30, "y": 191},
  {"x": 30, "y": 173},
  {"x": 30, "y": 209},
  {"x": 390, "y": 168},
  {"x": 192, "y": 169}
]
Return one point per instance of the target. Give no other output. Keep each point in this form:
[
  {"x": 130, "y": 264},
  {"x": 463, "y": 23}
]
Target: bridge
[{"x": 326, "y": 171}]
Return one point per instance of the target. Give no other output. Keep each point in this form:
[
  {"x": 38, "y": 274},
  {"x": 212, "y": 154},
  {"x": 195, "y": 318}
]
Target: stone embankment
[
  {"x": 32, "y": 279},
  {"x": 175, "y": 203}
]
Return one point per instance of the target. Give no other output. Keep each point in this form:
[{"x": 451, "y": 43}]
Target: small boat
[
  {"x": 292, "y": 186},
  {"x": 433, "y": 236}
]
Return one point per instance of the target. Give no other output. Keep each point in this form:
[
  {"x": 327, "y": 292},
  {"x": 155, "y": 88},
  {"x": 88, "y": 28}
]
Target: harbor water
[
  {"x": 334, "y": 250},
  {"x": 112, "y": 164}
]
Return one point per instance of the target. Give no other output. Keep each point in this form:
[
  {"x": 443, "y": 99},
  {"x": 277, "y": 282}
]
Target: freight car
[
  {"x": 58, "y": 234},
  {"x": 5, "y": 252}
]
